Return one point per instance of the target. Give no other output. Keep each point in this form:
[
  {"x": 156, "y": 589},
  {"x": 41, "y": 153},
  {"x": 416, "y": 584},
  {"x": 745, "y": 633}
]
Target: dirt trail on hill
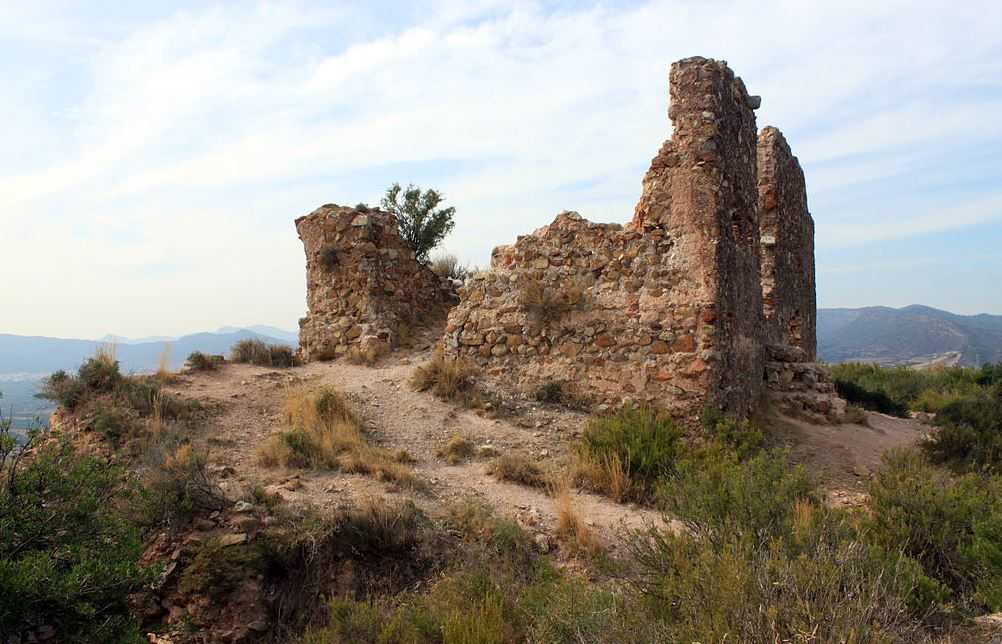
[
  {"x": 249, "y": 400},
  {"x": 395, "y": 417}
]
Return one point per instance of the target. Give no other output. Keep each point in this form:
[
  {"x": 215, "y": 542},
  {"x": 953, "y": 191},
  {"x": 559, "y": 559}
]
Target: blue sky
[{"x": 155, "y": 155}]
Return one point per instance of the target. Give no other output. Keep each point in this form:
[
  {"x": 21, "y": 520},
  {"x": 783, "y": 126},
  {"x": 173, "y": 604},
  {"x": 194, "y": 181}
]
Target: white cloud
[{"x": 189, "y": 123}]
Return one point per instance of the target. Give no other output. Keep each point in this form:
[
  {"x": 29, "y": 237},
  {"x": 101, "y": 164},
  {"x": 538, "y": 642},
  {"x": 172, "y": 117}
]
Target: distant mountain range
[
  {"x": 913, "y": 335},
  {"x": 25, "y": 360},
  {"x": 34, "y": 354}
]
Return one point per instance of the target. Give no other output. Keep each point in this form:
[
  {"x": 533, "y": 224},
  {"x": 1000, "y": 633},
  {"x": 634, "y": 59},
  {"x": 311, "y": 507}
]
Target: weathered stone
[
  {"x": 686, "y": 269},
  {"x": 787, "y": 235},
  {"x": 363, "y": 283}
]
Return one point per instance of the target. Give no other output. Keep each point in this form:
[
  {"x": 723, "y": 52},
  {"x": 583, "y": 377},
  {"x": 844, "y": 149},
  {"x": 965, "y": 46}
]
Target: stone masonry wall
[
  {"x": 787, "y": 234},
  {"x": 667, "y": 309},
  {"x": 363, "y": 282}
]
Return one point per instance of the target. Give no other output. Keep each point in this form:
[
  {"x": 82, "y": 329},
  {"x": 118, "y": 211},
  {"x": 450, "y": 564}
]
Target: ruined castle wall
[
  {"x": 787, "y": 237},
  {"x": 701, "y": 188},
  {"x": 363, "y": 282},
  {"x": 665, "y": 310}
]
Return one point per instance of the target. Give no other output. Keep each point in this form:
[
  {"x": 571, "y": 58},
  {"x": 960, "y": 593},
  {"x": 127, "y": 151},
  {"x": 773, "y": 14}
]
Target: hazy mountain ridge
[
  {"x": 913, "y": 334},
  {"x": 37, "y": 354}
]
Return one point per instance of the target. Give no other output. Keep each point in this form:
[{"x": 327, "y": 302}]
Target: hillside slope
[{"x": 911, "y": 335}]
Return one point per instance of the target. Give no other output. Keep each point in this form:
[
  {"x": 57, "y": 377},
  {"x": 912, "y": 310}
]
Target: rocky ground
[{"x": 248, "y": 402}]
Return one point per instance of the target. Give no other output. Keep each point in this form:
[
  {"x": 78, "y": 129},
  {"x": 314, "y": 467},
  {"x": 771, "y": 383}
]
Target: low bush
[
  {"x": 492, "y": 593},
  {"x": 717, "y": 495},
  {"x": 329, "y": 258},
  {"x": 218, "y": 568},
  {"x": 449, "y": 266},
  {"x": 68, "y": 558},
  {"x": 176, "y": 485},
  {"x": 549, "y": 304},
  {"x": 873, "y": 400},
  {"x": 198, "y": 361},
  {"x": 550, "y": 392},
  {"x": 896, "y": 390},
  {"x": 256, "y": 352},
  {"x": 625, "y": 454},
  {"x": 969, "y": 434},
  {"x": 456, "y": 450},
  {"x": 324, "y": 433},
  {"x": 950, "y": 525},
  {"x": 516, "y": 468},
  {"x": 447, "y": 378}
]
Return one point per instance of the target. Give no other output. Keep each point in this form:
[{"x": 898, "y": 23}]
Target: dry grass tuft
[
  {"x": 605, "y": 475},
  {"x": 448, "y": 378},
  {"x": 518, "y": 469},
  {"x": 457, "y": 450},
  {"x": 572, "y": 531},
  {"x": 324, "y": 433},
  {"x": 367, "y": 355},
  {"x": 163, "y": 366},
  {"x": 549, "y": 304}
]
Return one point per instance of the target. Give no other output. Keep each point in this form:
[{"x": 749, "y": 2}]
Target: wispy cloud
[{"x": 192, "y": 139}]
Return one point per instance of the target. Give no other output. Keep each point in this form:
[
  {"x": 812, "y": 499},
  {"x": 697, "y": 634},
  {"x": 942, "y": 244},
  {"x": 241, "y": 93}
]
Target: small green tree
[{"x": 422, "y": 223}]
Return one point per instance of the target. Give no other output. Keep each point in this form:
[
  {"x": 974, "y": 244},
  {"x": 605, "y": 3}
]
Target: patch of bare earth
[
  {"x": 842, "y": 458},
  {"x": 395, "y": 417}
]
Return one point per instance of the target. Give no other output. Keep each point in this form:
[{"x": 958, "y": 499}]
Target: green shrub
[
  {"x": 950, "y": 525},
  {"x": 328, "y": 258},
  {"x": 111, "y": 422},
  {"x": 815, "y": 584},
  {"x": 970, "y": 433},
  {"x": 896, "y": 390},
  {"x": 198, "y": 361},
  {"x": 64, "y": 389},
  {"x": 873, "y": 400},
  {"x": 100, "y": 374},
  {"x": 68, "y": 559},
  {"x": 218, "y": 569},
  {"x": 635, "y": 443},
  {"x": 422, "y": 224},
  {"x": 176, "y": 486},
  {"x": 256, "y": 352},
  {"x": 550, "y": 392},
  {"x": 717, "y": 495}
]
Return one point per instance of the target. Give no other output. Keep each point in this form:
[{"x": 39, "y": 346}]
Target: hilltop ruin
[{"x": 706, "y": 298}]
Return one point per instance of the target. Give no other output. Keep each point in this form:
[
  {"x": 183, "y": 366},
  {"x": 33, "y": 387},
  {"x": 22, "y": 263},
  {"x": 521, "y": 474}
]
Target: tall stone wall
[
  {"x": 701, "y": 189},
  {"x": 362, "y": 282},
  {"x": 666, "y": 310},
  {"x": 787, "y": 234}
]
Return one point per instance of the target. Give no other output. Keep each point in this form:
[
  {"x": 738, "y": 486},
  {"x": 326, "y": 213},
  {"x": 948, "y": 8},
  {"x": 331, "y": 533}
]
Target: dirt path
[
  {"x": 843, "y": 457},
  {"x": 396, "y": 417},
  {"x": 840, "y": 457}
]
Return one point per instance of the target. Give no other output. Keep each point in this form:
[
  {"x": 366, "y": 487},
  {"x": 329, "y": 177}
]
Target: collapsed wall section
[
  {"x": 787, "y": 236},
  {"x": 666, "y": 310},
  {"x": 363, "y": 284}
]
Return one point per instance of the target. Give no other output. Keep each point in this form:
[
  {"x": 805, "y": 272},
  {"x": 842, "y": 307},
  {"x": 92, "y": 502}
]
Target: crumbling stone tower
[
  {"x": 788, "y": 290},
  {"x": 666, "y": 310},
  {"x": 363, "y": 284},
  {"x": 700, "y": 189}
]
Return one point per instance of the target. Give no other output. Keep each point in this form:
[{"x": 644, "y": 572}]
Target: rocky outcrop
[
  {"x": 788, "y": 289},
  {"x": 800, "y": 387},
  {"x": 363, "y": 285}
]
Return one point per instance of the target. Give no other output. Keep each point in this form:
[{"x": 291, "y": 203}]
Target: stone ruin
[
  {"x": 364, "y": 287},
  {"x": 705, "y": 299}
]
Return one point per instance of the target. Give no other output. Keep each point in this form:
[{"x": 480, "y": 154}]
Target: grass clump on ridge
[
  {"x": 256, "y": 352},
  {"x": 324, "y": 433},
  {"x": 448, "y": 378}
]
